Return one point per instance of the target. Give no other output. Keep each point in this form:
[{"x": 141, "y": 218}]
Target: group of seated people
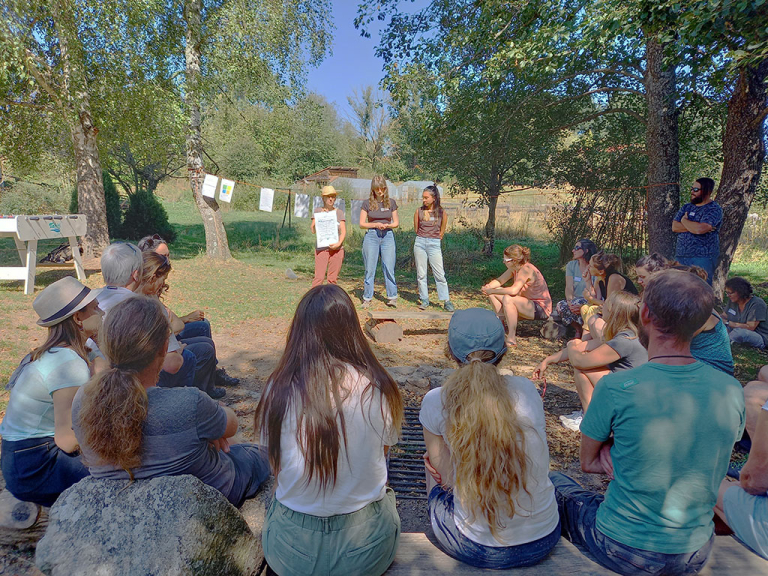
[{"x": 661, "y": 423}]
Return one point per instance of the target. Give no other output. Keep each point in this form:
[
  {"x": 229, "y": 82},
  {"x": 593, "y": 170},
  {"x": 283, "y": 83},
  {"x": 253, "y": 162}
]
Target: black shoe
[
  {"x": 224, "y": 379},
  {"x": 217, "y": 393}
]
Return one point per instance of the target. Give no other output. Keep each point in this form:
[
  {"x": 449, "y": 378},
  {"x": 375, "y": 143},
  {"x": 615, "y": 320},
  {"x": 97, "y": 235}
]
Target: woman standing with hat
[
  {"x": 329, "y": 257},
  {"x": 491, "y": 502},
  {"x": 39, "y": 450}
]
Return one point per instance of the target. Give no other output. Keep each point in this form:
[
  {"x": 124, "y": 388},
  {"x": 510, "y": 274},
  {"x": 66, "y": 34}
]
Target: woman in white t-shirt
[
  {"x": 491, "y": 502},
  {"x": 328, "y": 415}
]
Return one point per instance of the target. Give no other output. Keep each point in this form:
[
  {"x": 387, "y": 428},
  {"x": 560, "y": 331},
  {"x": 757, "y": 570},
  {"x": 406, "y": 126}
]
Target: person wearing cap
[
  {"x": 39, "y": 450},
  {"x": 329, "y": 258},
  {"x": 495, "y": 507}
]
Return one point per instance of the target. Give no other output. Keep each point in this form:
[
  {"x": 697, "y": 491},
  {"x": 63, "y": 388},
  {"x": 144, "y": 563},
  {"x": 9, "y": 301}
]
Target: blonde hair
[
  {"x": 377, "y": 183},
  {"x": 486, "y": 440},
  {"x": 155, "y": 266},
  {"x": 622, "y": 313},
  {"x": 114, "y": 404},
  {"x": 520, "y": 255}
]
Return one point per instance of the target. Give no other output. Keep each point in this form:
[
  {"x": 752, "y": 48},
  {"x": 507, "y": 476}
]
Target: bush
[
  {"x": 112, "y": 198},
  {"x": 145, "y": 216}
]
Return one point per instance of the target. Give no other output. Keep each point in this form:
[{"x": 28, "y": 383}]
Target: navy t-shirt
[{"x": 690, "y": 245}]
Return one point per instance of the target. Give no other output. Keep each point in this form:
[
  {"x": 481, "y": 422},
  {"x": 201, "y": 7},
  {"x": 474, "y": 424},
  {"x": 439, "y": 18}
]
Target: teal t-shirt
[{"x": 673, "y": 429}]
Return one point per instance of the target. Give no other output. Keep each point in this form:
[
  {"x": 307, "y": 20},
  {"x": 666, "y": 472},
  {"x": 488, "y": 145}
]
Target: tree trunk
[
  {"x": 490, "y": 225},
  {"x": 743, "y": 157},
  {"x": 216, "y": 244},
  {"x": 661, "y": 142}
]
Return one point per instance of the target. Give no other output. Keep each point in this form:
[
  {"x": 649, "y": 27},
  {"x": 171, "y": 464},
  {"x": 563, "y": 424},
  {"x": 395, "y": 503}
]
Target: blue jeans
[
  {"x": 429, "y": 250},
  {"x": 457, "y": 545},
  {"x": 252, "y": 470},
  {"x": 194, "y": 329},
  {"x": 36, "y": 470},
  {"x": 744, "y": 336},
  {"x": 578, "y": 511},
  {"x": 708, "y": 263},
  {"x": 375, "y": 243},
  {"x": 184, "y": 377}
]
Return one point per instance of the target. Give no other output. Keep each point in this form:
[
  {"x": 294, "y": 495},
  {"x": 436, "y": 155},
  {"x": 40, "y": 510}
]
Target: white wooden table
[{"x": 27, "y": 230}]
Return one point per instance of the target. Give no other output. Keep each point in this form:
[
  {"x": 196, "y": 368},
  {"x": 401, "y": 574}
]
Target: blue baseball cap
[{"x": 475, "y": 329}]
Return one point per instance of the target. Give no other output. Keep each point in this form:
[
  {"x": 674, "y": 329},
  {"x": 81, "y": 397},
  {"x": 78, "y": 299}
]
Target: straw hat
[
  {"x": 62, "y": 299},
  {"x": 329, "y": 191}
]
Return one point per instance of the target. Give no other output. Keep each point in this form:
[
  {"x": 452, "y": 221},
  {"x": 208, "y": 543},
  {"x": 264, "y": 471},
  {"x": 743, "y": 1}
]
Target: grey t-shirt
[
  {"x": 754, "y": 310},
  {"x": 631, "y": 352},
  {"x": 180, "y": 423},
  {"x": 379, "y": 214}
]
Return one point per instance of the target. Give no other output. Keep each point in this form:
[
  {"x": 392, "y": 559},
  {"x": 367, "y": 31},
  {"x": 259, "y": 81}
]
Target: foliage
[
  {"x": 371, "y": 119},
  {"x": 146, "y": 215},
  {"x": 112, "y": 198}
]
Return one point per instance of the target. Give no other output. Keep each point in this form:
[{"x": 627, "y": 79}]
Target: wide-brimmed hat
[
  {"x": 62, "y": 299},
  {"x": 329, "y": 191},
  {"x": 475, "y": 329}
]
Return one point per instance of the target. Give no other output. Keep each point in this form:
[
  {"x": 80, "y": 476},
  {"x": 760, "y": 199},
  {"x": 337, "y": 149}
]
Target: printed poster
[
  {"x": 266, "y": 199},
  {"x": 326, "y": 229},
  {"x": 355, "y": 207},
  {"x": 301, "y": 206},
  {"x": 227, "y": 186},
  {"x": 340, "y": 204},
  {"x": 209, "y": 185}
]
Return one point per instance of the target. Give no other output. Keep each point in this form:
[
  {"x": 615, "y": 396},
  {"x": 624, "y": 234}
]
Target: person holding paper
[
  {"x": 328, "y": 257},
  {"x": 379, "y": 218}
]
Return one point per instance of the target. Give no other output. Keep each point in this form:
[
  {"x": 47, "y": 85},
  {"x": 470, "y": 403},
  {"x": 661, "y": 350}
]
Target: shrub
[
  {"x": 145, "y": 216},
  {"x": 112, "y": 198}
]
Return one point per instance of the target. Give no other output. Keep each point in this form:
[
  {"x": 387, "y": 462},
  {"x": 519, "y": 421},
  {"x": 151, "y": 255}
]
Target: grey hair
[{"x": 119, "y": 261}]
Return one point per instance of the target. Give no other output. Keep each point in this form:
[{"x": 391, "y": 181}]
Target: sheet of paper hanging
[
  {"x": 227, "y": 186},
  {"x": 317, "y": 202},
  {"x": 341, "y": 205},
  {"x": 301, "y": 206},
  {"x": 355, "y": 207},
  {"x": 327, "y": 228},
  {"x": 266, "y": 199},
  {"x": 209, "y": 185}
]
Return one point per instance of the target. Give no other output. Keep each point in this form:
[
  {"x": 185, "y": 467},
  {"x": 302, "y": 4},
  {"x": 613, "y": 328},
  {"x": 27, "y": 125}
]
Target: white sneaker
[{"x": 572, "y": 421}]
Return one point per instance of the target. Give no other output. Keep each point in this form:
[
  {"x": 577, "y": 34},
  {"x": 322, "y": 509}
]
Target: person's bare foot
[{"x": 510, "y": 341}]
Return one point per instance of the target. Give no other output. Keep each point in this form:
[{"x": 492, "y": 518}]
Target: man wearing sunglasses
[{"x": 698, "y": 225}]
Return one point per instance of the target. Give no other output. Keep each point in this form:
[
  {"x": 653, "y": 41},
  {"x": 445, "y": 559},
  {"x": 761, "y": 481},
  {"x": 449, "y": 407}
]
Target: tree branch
[
  {"x": 760, "y": 117},
  {"x": 627, "y": 111},
  {"x": 27, "y": 105},
  {"x": 595, "y": 91}
]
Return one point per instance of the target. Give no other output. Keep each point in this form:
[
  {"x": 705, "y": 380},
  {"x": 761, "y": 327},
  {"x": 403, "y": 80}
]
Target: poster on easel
[
  {"x": 266, "y": 199},
  {"x": 341, "y": 205},
  {"x": 355, "y": 207},
  {"x": 326, "y": 229},
  {"x": 301, "y": 207},
  {"x": 225, "y": 194},
  {"x": 209, "y": 185},
  {"x": 317, "y": 203}
]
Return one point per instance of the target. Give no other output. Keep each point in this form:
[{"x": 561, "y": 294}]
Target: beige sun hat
[
  {"x": 329, "y": 191},
  {"x": 62, "y": 299}
]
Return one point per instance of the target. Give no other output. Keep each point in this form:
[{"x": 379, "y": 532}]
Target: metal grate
[{"x": 406, "y": 465}]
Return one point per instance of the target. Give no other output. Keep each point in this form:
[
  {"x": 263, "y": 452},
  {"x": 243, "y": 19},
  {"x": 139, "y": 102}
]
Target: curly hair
[
  {"x": 603, "y": 261},
  {"x": 114, "y": 403},
  {"x": 652, "y": 262}
]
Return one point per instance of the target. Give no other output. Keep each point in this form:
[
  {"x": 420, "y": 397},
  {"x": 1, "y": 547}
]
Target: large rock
[{"x": 173, "y": 525}]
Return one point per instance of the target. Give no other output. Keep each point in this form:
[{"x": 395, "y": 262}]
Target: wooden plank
[
  {"x": 408, "y": 314},
  {"x": 729, "y": 556}
]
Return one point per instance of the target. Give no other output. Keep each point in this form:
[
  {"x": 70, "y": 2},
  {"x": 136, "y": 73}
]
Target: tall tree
[{"x": 371, "y": 119}]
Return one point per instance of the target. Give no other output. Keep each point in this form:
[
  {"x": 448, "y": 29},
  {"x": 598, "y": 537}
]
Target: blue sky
[{"x": 353, "y": 63}]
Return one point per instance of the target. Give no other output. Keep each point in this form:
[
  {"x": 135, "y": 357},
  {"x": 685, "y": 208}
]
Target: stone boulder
[
  {"x": 419, "y": 379},
  {"x": 163, "y": 526}
]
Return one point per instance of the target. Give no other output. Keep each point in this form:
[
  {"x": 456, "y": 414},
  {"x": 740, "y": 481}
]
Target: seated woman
[
  {"x": 605, "y": 270},
  {"x": 328, "y": 414},
  {"x": 128, "y": 428},
  {"x": 39, "y": 451},
  {"x": 746, "y": 315},
  {"x": 620, "y": 349},
  {"x": 491, "y": 503},
  {"x": 577, "y": 279},
  {"x": 528, "y": 297},
  {"x": 649, "y": 264},
  {"x": 201, "y": 348}
]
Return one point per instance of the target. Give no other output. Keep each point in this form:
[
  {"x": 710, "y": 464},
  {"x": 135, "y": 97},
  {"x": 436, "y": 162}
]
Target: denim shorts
[
  {"x": 454, "y": 543},
  {"x": 362, "y": 543},
  {"x": 747, "y": 515}
]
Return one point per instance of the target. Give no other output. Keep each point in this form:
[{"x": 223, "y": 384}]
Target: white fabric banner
[
  {"x": 209, "y": 185},
  {"x": 355, "y": 207},
  {"x": 266, "y": 199},
  {"x": 327, "y": 228},
  {"x": 317, "y": 203},
  {"x": 301, "y": 206},
  {"x": 225, "y": 194}
]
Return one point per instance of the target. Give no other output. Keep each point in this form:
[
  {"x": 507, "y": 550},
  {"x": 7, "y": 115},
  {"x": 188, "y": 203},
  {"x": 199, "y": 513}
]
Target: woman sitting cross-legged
[
  {"x": 528, "y": 297},
  {"x": 619, "y": 349},
  {"x": 329, "y": 413},
  {"x": 577, "y": 280},
  {"x": 129, "y": 428},
  {"x": 605, "y": 269},
  {"x": 491, "y": 503},
  {"x": 39, "y": 452}
]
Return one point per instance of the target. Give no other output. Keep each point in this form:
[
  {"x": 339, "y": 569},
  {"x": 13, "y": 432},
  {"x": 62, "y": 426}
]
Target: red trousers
[{"x": 330, "y": 260}]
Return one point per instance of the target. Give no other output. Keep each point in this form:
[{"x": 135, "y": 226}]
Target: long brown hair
[
  {"x": 486, "y": 439},
  {"x": 114, "y": 404},
  {"x": 155, "y": 266},
  {"x": 378, "y": 182},
  {"x": 324, "y": 338},
  {"x": 437, "y": 208},
  {"x": 65, "y": 333}
]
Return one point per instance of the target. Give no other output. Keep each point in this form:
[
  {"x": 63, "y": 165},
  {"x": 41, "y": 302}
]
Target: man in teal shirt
[{"x": 663, "y": 432}]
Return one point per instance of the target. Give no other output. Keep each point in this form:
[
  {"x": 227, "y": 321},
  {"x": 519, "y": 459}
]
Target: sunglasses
[
  {"x": 508, "y": 260},
  {"x": 577, "y": 248},
  {"x": 695, "y": 189}
]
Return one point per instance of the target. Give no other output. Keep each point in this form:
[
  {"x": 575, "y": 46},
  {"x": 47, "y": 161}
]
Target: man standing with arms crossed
[{"x": 698, "y": 225}]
